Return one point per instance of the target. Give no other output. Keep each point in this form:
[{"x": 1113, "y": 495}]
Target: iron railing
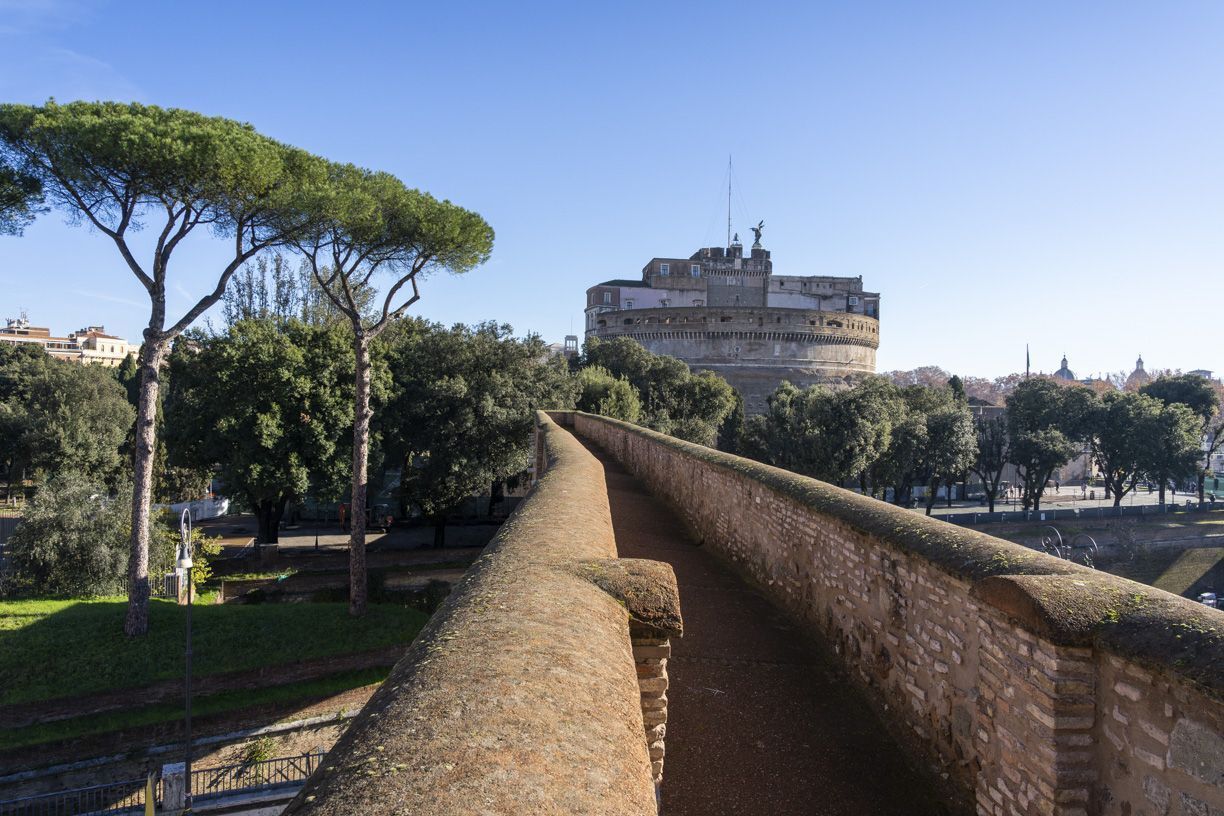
[
  {"x": 268, "y": 773},
  {"x": 113, "y": 798},
  {"x": 124, "y": 798}
]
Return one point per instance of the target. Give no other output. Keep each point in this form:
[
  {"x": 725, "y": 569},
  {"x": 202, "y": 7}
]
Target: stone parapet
[
  {"x": 746, "y": 322},
  {"x": 1032, "y": 685},
  {"x": 525, "y": 693}
]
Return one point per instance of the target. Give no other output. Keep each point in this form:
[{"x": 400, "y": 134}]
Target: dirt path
[{"x": 758, "y": 721}]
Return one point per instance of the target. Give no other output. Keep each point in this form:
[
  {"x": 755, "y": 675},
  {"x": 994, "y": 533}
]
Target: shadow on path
[{"x": 758, "y": 721}]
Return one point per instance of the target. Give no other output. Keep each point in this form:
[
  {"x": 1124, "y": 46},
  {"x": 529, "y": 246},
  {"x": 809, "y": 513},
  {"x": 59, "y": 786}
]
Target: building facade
[
  {"x": 722, "y": 311},
  {"x": 88, "y": 345}
]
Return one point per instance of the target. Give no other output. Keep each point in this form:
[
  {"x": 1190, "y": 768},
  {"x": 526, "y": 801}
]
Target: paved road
[
  {"x": 759, "y": 722},
  {"x": 1069, "y": 497}
]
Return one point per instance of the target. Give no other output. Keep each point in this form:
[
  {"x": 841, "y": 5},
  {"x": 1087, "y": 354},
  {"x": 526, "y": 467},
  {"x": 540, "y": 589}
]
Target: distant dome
[
  {"x": 1065, "y": 373},
  {"x": 1139, "y": 377}
]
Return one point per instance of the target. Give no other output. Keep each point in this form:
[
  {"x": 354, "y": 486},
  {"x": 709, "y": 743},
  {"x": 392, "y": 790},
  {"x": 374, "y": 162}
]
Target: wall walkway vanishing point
[
  {"x": 526, "y": 692},
  {"x": 1036, "y": 685}
]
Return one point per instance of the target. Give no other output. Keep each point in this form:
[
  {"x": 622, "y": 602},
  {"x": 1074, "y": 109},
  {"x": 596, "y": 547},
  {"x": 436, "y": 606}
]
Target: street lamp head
[{"x": 184, "y": 554}]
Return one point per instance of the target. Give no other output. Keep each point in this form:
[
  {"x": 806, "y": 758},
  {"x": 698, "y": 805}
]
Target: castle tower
[{"x": 720, "y": 311}]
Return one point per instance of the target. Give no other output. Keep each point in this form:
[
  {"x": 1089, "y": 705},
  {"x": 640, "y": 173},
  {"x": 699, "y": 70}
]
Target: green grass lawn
[
  {"x": 201, "y": 707},
  {"x": 1182, "y": 572},
  {"x": 63, "y": 648}
]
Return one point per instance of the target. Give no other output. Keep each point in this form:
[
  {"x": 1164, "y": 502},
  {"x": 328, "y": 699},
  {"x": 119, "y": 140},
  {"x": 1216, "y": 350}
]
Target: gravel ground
[{"x": 759, "y": 721}]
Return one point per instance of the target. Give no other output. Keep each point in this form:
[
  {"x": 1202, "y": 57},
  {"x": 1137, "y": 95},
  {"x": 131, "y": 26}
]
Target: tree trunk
[
  {"x": 361, "y": 456},
  {"x": 1162, "y": 494},
  {"x": 403, "y": 485},
  {"x": 263, "y": 511},
  {"x": 269, "y": 514},
  {"x": 439, "y": 531},
  {"x": 151, "y": 354},
  {"x": 932, "y": 490},
  {"x": 1202, "y": 480},
  {"x": 497, "y": 494}
]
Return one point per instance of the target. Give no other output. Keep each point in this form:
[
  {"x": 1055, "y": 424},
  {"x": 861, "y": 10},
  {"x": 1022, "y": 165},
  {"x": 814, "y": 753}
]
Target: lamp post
[{"x": 185, "y": 563}]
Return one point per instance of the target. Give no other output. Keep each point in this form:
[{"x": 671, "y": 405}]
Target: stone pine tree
[
  {"x": 377, "y": 234},
  {"x": 20, "y": 199},
  {"x": 123, "y": 167}
]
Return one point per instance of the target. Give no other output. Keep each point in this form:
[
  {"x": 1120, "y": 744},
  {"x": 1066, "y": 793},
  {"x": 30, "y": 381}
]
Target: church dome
[
  {"x": 1065, "y": 373},
  {"x": 1139, "y": 377}
]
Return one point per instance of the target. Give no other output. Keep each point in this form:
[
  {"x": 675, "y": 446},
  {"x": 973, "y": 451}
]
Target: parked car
[{"x": 1209, "y": 599}]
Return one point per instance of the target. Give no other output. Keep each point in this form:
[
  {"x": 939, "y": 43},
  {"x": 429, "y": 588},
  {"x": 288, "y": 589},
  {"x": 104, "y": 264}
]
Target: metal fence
[
  {"x": 122, "y": 798},
  {"x": 114, "y": 798},
  {"x": 207, "y": 783},
  {"x": 1068, "y": 513}
]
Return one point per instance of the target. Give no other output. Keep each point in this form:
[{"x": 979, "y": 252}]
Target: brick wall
[
  {"x": 1032, "y": 686},
  {"x": 525, "y": 692}
]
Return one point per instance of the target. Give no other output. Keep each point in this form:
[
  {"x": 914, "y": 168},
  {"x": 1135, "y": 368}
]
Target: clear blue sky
[{"x": 1050, "y": 173}]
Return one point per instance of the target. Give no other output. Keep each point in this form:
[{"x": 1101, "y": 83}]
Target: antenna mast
[{"x": 728, "y": 200}]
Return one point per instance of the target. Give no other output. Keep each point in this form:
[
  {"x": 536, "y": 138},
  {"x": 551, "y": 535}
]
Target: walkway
[{"x": 758, "y": 721}]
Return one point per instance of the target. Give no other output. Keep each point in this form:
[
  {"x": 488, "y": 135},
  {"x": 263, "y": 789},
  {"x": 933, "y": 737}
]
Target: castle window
[
  {"x": 664, "y": 303},
  {"x": 695, "y": 271},
  {"x": 698, "y": 302},
  {"x": 664, "y": 269},
  {"x": 777, "y": 349},
  {"x": 607, "y": 297},
  {"x": 628, "y": 321},
  {"x": 628, "y": 304}
]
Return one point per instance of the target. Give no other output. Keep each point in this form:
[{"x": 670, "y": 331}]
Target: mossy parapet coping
[
  {"x": 1063, "y": 602},
  {"x": 521, "y": 694}
]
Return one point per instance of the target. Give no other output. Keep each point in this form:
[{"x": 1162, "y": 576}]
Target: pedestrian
[{"x": 342, "y": 512}]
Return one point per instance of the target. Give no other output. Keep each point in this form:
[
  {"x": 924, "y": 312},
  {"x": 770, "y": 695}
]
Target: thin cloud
[
  {"x": 32, "y": 73},
  {"x": 108, "y": 298},
  {"x": 23, "y": 16}
]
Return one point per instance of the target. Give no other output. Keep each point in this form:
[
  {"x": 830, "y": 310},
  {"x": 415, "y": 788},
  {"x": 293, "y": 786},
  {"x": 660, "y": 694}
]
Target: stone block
[{"x": 1198, "y": 750}]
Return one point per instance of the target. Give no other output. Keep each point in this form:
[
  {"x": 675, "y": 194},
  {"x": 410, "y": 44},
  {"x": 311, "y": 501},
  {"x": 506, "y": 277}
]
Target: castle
[{"x": 723, "y": 312}]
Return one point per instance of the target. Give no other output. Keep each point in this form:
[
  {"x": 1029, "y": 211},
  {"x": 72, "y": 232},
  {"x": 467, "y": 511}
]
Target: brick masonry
[{"x": 995, "y": 664}]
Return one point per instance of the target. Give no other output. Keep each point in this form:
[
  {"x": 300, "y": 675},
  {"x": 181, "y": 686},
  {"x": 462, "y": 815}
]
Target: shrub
[
  {"x": 601, "y": 393},
  {"x": 73, "y": 539}
]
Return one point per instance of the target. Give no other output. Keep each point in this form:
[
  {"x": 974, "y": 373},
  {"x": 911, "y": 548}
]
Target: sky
[{"x": 1049, "y": 174}]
